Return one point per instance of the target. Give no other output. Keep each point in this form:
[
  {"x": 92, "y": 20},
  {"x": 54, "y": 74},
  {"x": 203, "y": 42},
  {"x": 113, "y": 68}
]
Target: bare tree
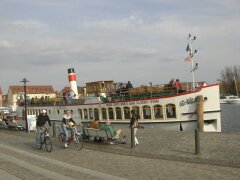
[{"x": 230, "y": 80}]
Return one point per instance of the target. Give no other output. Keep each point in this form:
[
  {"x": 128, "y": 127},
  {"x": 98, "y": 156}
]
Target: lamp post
[
  {"x": 25, "y": 101},
  {"x": 150, "y": 84}
]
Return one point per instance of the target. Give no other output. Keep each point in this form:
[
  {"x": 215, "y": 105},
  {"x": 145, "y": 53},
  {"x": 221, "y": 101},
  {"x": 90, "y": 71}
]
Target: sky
[{"x": 137, "y": 40}]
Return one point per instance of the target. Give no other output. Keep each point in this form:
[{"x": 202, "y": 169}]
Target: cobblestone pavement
[{"x": 169, "y": 155}]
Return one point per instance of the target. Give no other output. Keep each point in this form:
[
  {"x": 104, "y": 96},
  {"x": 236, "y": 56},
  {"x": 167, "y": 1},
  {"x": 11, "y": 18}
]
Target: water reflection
[{"x": 230, "y": 117}]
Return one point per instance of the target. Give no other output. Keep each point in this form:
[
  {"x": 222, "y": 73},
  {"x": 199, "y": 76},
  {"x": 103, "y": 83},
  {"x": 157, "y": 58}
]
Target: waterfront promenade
[{"x": 160, "y": 155}]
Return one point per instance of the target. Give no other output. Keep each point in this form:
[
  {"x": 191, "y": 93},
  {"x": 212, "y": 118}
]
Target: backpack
[{"x": 135, "y": 124}]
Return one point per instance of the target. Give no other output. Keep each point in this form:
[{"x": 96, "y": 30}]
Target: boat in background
[
  {"x": 224, "y": 98},
  {"x": 231, "y": 100}
]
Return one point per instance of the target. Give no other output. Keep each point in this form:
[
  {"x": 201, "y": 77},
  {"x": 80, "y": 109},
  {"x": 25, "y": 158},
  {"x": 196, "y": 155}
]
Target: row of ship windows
[{"x": 117, "y": 113}]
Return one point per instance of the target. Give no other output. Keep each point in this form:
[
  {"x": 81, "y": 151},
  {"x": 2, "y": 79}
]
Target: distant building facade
[{"x": 16, "y": 94}]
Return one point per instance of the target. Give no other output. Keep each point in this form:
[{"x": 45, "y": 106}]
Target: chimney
[{"x": 72, "y": 81}]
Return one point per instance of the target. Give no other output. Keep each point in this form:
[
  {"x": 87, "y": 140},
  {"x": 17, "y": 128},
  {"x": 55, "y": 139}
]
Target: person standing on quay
[{"x": 134, "y": 125}]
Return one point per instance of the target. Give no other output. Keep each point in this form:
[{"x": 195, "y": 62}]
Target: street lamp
[
  {"x": 25, "y": 100},
  {"x": 150, "y": 84}
]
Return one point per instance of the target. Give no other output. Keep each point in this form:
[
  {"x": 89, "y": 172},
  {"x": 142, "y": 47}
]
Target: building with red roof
[{"x": 16, "y": 93}]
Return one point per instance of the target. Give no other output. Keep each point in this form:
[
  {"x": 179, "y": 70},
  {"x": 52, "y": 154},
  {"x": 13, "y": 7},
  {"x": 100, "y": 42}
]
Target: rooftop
[{"x": 32, "y": 89}]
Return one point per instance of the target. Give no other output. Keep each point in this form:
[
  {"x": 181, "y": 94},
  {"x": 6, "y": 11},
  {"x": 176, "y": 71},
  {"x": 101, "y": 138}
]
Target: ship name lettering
[
  {"x": 124, "y": 103},
  {"x": 131, "y": 103},
  {"x": 186, "y": 102},
  {"x": 116, "y": 104},
  {"x": 154, "y": 101}
]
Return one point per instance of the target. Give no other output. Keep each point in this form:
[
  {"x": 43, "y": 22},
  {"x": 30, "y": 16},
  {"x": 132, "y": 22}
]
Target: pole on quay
[
  {"x": 200, "y": 111},
  {"x": 54, "y": 129},
  {"x": 25, "y": 101},
  {"x": 200, "y": 122},
  {"x": 197, "y": 142}
]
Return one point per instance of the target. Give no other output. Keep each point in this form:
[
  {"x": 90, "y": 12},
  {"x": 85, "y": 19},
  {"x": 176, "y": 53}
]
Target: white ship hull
[{"x": 176, "y": 112}]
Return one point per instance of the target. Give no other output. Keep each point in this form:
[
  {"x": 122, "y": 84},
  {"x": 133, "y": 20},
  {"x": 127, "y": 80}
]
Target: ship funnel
[{"x": 73, "y": 82}]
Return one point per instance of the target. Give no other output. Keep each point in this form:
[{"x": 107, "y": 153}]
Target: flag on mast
[
  {"x": 189, "y": 49},
  {"x": 188, "y": 59}
]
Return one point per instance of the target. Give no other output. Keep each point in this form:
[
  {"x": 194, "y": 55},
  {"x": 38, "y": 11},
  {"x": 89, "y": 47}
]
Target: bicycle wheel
[
  {"x": 78, "y": 142},
  {"x": 48, "y": 144},
  {"x": 39, "y": 146}
]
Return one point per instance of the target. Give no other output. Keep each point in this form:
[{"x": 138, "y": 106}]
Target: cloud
[
  {"x": 114, "y": 24},
  {"x": 29, "y": 24},
  {"x": 104, "y": 40},
  {"x": 4, "y": 44}
]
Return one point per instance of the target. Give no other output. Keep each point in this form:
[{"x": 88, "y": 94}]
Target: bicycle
[
  {"x": 76, "y": 138},
  {"x": 45, "y": 139}
]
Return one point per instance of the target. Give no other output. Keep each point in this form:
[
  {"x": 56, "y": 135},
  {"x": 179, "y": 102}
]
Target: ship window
[
  {"x": 80, "y": 113},
  {"x": 104, "y": 113},
  {"x": 85, "y": 114},
  {"x": 49, "y": 111},
  {"x": 96, "y": 114},
  {"x": 127, "y": 113},
  {"x": 158, "y": 112},
  {"x": 146, "y": 112},
  {"x": 58, "y": 111},
  {"x": 90, "y": 113},
  {"x": 136, "y": 110},
  {"x": 118, "y": 113},
  {"x": 171, "y": 111},
  {"x": 110, "y": 113}
]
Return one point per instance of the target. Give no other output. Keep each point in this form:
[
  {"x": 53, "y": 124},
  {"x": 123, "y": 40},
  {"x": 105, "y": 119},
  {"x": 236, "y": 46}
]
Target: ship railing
[
  {"x": 114, "y": 97},
  {"x": 52, "y": 103},
  {"x": 139, "y": 96}
]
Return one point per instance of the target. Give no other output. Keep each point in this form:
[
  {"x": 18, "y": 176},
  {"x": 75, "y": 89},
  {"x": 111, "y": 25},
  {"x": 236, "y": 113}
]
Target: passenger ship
[{"x": 156, "y": 106}]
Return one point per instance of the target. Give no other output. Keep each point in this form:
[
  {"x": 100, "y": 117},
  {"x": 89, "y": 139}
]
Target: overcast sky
[{"x": 138, "y": 40}]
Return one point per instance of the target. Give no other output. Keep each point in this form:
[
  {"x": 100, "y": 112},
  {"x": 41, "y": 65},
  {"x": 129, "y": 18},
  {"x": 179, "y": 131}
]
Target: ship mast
[{"x": 191, "y": 54}]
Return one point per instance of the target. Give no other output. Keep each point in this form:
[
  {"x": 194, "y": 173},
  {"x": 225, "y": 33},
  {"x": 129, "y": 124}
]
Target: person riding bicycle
[
  {"x": 68, "y": 124},
  {"x": 41, "y": 121}
]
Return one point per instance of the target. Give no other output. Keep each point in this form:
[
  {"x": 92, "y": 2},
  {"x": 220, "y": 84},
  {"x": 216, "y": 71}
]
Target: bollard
[
  {"x": 181, "y": 129},
  {"x": 200, "y": 111},
  {"x": 54, "y": 129},
  {"x": 132, "y": 138},
  {"x": 197, "y": 142}
]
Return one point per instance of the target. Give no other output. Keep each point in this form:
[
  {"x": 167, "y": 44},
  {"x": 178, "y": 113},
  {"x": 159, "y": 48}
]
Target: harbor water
[{"x": 230, "y": 115}]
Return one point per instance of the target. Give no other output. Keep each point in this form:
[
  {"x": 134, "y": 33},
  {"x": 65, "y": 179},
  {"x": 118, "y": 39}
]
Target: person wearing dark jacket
[{"x": 40, "y": 125}]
